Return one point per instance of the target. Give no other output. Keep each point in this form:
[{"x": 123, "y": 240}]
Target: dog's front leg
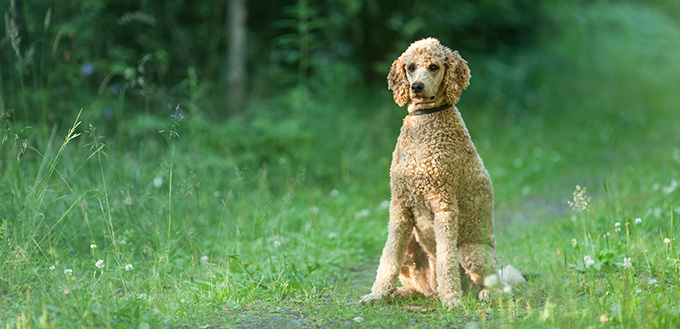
[
  {"x": 398, "y": 234},
  {"x": 446, "y": 238}
]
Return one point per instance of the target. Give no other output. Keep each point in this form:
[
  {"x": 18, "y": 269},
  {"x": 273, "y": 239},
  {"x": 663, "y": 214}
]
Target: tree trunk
[{"x": 236, "y": 56}]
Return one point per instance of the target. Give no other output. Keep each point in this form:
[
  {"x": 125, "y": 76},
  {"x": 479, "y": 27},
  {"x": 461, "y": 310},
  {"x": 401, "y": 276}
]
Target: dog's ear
[
  {"x": 456, "y": 78},
  {"x": 397, "y": 82}
]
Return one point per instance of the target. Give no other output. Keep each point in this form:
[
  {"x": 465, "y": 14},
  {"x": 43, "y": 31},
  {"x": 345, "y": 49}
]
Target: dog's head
[{"x": 428, "y": 74}]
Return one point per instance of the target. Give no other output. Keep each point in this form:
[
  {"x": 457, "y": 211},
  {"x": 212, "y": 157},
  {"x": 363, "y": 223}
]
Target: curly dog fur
[{"x": 441, "y": 214}]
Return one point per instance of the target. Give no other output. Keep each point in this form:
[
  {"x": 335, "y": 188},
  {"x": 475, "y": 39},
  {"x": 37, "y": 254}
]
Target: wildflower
[
  {"x": 129, "y": 267},
  {"x": 573, "y": 243},
  {"x": 588, "y": 261},
  {"x": 363, "y": 213},
  {"x": 604, "y": 318},
  {"x": 52, "y": 268},
  {"x": 277, "y": 243},
  {"x": 127, "y": 201},
  {"x": 157, "y": 182},
  {"x": 122, "y": 242},
  {"x": 385, "y": 205},
  {"x": 68, "y": 272},
  {"x": 617, "y": 229},
  {"x": 142, "y": 296},
  {"x": 671, "y": 188},
  {"x": 332, "y": 235},
  {"x": 652, "y": 282},
  {"x": 507, "y": 289},
  {"x": 666, "y": 240},
  {"x": 491, "y": 281},
  {"x": 617, "y": 224},
  {"x": 204, "y": 259},
  {"x": 334, "y": 192},
  {"x": 87, "y": 70},
  {"x": 93, "y": 246},
  {"x": 99, "y": 264},
  {"x": 580, "y": 200},
  {"x": 627, "y": 263},
  {"x": 638, "y": 220}
]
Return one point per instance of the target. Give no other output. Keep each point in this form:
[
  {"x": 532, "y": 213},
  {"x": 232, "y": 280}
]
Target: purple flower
[
  {"x": 87, "y": 70},
  {"x": 108, "y": 112},
  {"x": 115, "y": 88}
]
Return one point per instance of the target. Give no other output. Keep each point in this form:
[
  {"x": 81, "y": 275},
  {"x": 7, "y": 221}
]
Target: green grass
[{"x": 278, "y": 220}]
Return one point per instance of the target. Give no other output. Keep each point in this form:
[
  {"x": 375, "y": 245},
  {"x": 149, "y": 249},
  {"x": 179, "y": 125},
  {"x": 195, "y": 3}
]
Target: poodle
[{"x": 440, "y": 229}]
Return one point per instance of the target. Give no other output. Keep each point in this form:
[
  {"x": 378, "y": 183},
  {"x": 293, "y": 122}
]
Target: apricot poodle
[{"x": 441, "y": 214}]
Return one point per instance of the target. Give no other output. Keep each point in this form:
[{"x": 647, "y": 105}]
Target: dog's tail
[{"x": 512, "y": 277}]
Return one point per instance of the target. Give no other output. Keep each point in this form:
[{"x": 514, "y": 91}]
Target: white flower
[
  {"x": 129, "y": 267},
  {"x": 99, "y": 264},
  {"x": 491, "y": 281},
  {"x": 617, "y": 229},
  {"x": 52, "y": 268},
  {"x": 507, "y": 289},
  {"x": 617, "y": 224},
  {"x": 638, "y": 220},
  {"x": 122, "y": 242},
  {"x": 363, "y": 213},
  {"x": 142, "y": 296},
  {"x": 204, "y": 259},
  {"x": 93, "y": 246},
  {"x": 334, "y": 192},
  {"x": 68, "y": 272},
  {"x": 277, "y": 243},
  {"x": 127, "y": 201},
  {"x": 666, "y": 240},
  {"x": 652, "y": 282},
  {"x": 158, "y": 181},
  {"x": 627, "y": 263},
  {"x": 332, "y": 235},
  {"x": 588, "y": 261},
  {"x": 385, "y": 205}
]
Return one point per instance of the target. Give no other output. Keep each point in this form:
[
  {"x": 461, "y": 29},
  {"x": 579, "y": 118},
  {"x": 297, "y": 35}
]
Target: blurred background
[{"x": 299, "y": 86}]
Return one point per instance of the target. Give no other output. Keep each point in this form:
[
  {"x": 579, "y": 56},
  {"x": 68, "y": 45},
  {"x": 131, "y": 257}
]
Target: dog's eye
[
  {"x": 411, "y": 68},
  {"x": 433, "y": 67}
]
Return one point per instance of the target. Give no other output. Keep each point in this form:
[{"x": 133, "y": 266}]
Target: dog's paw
[{"x": 370, "y": 298}]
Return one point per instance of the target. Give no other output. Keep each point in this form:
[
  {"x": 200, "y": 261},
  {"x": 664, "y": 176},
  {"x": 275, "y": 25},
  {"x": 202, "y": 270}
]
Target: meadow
[{"x": 277, "y": 219}]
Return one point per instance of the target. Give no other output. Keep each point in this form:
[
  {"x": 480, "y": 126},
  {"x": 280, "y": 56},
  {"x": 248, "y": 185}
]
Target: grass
[{"x": 278, "y": 220}]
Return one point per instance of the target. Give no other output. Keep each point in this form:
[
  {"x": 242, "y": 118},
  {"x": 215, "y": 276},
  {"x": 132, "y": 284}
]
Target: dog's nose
[{"x": 417, "y": 87}]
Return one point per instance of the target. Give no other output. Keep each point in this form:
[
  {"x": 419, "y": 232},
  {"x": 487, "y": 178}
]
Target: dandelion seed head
[
  {"x": 158, "y": 182},
  {"x": 588, "y": 261},
  {"x": 638, "y": 220},
  {"x": 129, "y": 267},
  {"x": 491, "y": 281},
  {"x": 617, "y": 224},
  {"x": 68, "y": 272},
  {"x": 334, "y": 193}
]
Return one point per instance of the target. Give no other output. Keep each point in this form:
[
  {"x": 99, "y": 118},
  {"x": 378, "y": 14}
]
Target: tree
[{"x": 236, "y": 56}]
